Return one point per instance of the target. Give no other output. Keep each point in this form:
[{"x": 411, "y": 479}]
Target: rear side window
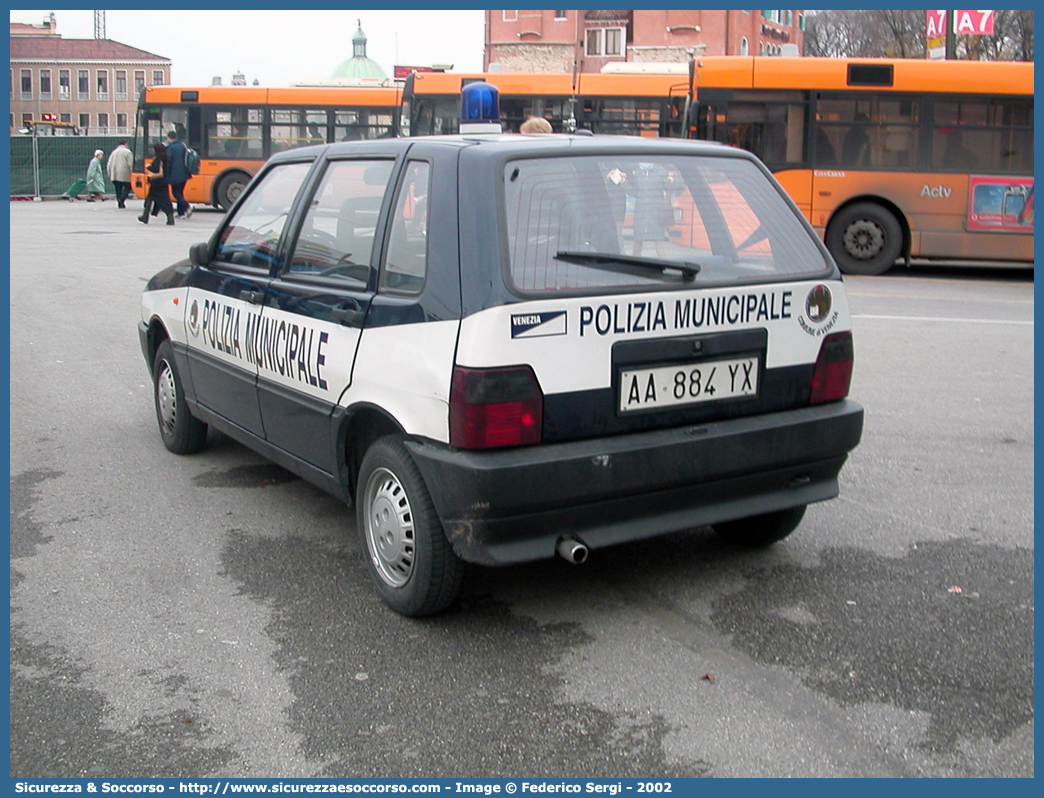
[
  {"x": 252, "y": 236},
  {"x": 626, "y": 221},
  {"x": 406, "y": 264}
]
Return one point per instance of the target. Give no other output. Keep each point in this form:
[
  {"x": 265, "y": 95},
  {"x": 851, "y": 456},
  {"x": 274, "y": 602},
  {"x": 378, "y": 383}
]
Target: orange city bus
[
  {"x": 887, "y": 158},
  {"x": 636, "y": 105},
  {"x": 236, "y": 128}
]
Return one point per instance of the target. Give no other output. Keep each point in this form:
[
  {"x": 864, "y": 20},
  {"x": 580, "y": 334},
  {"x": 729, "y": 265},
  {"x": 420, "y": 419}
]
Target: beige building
[
  {"x": 91, "y": 83},
  {"x": 553, "y": 41}
]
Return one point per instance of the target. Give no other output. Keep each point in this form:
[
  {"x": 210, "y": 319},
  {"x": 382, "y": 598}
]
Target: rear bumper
[{"x": 511, "y": 506}]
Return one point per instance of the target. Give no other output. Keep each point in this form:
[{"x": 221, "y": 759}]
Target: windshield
[{"x": 718, "y": 220}]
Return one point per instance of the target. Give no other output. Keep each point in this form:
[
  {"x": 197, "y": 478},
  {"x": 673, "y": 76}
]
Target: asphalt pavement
[{"x": 209, "y": 615}]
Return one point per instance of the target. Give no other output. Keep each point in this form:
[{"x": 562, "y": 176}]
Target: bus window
[
  {"x": 175, "y": 119},
  {"x": 980, "y": 134},
  {"x": 773, "y": 130},
  {"x": 363, "y": 123},
  {"x": 949, "y": 152},
  {"x": 879, "y": 131},
  {"x": 294, "y": 128},
  {"x": 230, "y": 134},
  {"x": 896, "y": 140}
]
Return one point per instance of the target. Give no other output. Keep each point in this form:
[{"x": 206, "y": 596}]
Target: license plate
[{"x": 687, "y": 384}]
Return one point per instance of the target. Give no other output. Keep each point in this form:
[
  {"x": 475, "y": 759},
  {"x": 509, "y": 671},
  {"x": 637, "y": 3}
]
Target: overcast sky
[{"x": 280, "y": 47}]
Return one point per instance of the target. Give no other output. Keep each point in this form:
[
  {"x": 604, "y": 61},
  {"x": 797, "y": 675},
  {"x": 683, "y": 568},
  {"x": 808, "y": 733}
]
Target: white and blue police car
[{"x": 499, "y": 346}]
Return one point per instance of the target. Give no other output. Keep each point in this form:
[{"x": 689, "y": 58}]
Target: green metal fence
[{"x": 58, "y": 162}]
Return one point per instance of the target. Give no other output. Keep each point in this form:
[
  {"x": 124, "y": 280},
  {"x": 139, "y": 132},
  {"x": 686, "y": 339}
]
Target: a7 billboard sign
[{"x": 965, "y": 22}]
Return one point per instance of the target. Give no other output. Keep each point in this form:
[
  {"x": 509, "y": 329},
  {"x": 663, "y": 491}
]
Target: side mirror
[{"x": 199, "y": 254}]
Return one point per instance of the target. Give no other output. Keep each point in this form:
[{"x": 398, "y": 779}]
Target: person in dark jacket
[
  {"x": 158, "y": 198},
  {"x": 178, "y": 174}
]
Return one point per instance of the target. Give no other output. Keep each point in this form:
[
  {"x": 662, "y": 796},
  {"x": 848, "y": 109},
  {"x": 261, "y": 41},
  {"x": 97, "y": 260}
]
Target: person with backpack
[{"x": 178, "y": 175}]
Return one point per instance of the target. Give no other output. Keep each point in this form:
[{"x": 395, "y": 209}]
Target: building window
[
  {"x": 45, "y": 84},
  {"x": 84, "y": 122},
  {"x": 744, "y": 46},
  {"x": 103, "y": 84},
  {"x": 103, "y": 124},
  {"x": 605, "y": 41},
  {"x": 67, "y": 118},
  {"x": 27, "y": 84},
  {"x": 26, "y": 119},
  {"x": 83, "y": 84},
  {"x": 64, "y": 84},
  {"x": 560, "y": 15},
  {"x": 157, "y": 77},
  {"x": 510, "y": 16},
  {"x": 121, "y": 84}
]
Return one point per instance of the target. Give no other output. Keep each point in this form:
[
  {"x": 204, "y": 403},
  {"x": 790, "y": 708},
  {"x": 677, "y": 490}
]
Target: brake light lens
[
  {"x": 833, "y": 373},
  {"x": 493, "y": 408}
]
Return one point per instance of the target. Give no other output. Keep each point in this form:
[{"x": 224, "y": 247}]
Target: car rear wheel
[
  {"x": 865, "y": 238},
  {"x": 761, "y": 530},
  {"x": 182, "y": 432},
  {"x": 405, "y": 550}
]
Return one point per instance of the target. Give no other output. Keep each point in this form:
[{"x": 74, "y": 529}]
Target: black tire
[
  {"x": 229, "y": 189},
  {"x": 413, "y": 566},
  {"x": 182, "y": 432},
  {"x": 865, "y": 238},
  {"x": 761, "y": 530}
]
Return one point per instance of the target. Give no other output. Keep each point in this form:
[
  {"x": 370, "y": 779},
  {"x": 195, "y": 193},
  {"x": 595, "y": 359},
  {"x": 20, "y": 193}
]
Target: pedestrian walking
[
  {"x": 158, "y": 198},
  {"x": 179, "y": 174},
  {"x": 96, "y": 178},
  {"x": 119, "y": 169}
]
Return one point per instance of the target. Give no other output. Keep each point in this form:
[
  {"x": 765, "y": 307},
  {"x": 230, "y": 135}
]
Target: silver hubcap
[
  {"x": 389, "y": 528},
  {"x": 166, "y": 399},
  {"x": 864, "y": 239}
]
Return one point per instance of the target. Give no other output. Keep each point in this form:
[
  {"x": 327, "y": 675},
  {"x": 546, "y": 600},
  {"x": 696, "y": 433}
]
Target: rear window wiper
[{"x": 632, "y": 264}]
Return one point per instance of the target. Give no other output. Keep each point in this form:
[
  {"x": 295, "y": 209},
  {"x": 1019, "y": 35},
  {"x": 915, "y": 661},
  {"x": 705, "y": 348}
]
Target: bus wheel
[
  {"x": 864, "y": 238},
  {"x": 230, "y": 187}
]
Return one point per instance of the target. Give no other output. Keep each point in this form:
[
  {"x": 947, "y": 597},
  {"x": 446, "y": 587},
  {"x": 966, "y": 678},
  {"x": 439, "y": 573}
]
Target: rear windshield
[{"x": 597, "y": 223}]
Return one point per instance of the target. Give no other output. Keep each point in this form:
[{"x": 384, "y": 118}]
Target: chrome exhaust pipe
[{"x": 571, "y": 550}]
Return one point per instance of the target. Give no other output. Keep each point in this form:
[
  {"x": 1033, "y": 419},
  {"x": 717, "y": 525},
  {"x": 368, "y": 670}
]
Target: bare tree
[{"x": 901, "y": 34}]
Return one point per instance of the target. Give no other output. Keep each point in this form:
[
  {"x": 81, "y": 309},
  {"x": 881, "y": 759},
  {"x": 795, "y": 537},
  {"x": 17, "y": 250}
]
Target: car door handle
[{"x": 253, "y": 297}]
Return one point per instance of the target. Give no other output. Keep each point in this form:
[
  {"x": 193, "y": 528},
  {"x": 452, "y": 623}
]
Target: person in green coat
[{"x": 96, "y": 178}]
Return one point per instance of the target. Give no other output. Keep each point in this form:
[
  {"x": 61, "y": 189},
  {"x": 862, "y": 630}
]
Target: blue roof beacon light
[{"x": 479, "y": 109}]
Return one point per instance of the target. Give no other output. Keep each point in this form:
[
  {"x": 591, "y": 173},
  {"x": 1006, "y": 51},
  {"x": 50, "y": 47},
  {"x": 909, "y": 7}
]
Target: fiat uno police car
[{"x": 500, "y": 347}]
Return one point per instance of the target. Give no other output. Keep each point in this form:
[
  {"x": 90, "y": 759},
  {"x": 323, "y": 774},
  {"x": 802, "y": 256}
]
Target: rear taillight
[
  {"x": 833, "y": 373},
  {"x": 490, "y": 408}
]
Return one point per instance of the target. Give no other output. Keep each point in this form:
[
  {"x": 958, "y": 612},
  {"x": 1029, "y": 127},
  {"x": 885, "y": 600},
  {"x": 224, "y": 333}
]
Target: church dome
[{"x": 359, "y": 66}]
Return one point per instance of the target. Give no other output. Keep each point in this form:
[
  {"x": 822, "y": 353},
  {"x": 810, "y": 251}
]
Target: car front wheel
[
  {"x": 182, "y": 432},
  {"x": 405, "y": 550}
]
